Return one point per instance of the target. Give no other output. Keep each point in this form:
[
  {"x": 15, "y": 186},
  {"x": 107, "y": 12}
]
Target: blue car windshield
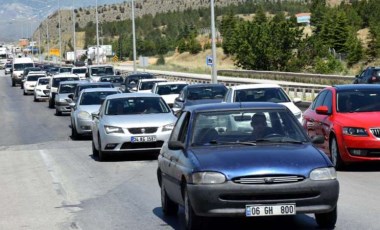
[{"x": 250, "y": 126}]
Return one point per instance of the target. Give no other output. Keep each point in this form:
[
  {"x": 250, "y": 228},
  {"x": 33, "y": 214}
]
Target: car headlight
[
  {"x": 62, "y": 100},
  {"x": 168, "y": 127},
  {"x": 354, "y": 131},
  {"x": 84, "y": 115},
  {"x": 38, "y": 90},
  {"x": 208, "y": 178},
  {"x": 323, "y": 174},
  {"x": 113, "y": 129},
  {"x": 298, "y": 115}
]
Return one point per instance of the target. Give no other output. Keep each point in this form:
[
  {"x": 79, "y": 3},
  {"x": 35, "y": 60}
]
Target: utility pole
[
  {"x": 213, "y": 37},
  {"x": 60, "y": 33},
  {"x": 74, "y": 41},
  {"x": 134, "y": 36},
  {"x": 97, "y": 34}
]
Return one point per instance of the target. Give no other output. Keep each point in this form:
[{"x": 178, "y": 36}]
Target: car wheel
[
  {"x": 102, "y": 155},
  {"x": 335, "y": 155},
  {"x": 95, "y": 153},
  {"x": 24, "y": 92},
  {"x": 192, "y": 221},
  {"x": 13, "y": 83},
  {"x": 58, "y": 113},
  {"x": 51, "y": 103},
  {"x": 328, "y": 219},
  {"x": 169, "y": 207},
  {"x": 74, "y": 133},
  {"x": 35, "y": 98}
]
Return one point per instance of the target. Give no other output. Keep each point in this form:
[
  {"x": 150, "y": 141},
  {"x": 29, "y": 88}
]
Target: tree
[
  {"x": 354, "y": 49},
  {"x": 227, "y": 29}
]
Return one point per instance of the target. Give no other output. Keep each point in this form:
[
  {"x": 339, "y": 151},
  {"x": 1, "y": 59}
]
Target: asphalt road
[{"x": 49, "y": 181}]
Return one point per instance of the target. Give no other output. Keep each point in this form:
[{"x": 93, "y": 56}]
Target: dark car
[
  {"x": 52, "y": 70},
  {"x": 65, "y": 69},
  {"x": 371, "y": 75},
  {"x": 215, "y": 166},
  {"x": 26, "y": 71},
  {"x": 116, "y": 80},
  {"x": 86, "y": 85},
  {"x": 132, "y": 80},
  {"x": 199, "y": 94}
]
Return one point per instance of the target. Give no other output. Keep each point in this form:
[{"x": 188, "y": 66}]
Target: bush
[{"x": 160, "y": 60}]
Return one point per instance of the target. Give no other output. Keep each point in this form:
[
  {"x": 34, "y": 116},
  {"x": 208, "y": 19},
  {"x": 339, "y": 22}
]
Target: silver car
[
  {"x": 61, "y": 99},
  {"x": 88, "y": 102},
  {"x": 131, "y": 122}
]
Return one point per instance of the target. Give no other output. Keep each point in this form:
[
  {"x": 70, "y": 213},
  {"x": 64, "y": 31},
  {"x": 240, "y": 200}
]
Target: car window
[
  {"x": 226, "y": 127},
  {"x": 178, "y": 127},
  {"x": 318, "y": 100},
  {"x": 276, "y": 95},
  {"x": 328, "y": 101},
  {"x": 67, "y": 88},
  {"x": 206, "y": 92},
  {"x": 184, "y": 129},
  {"x": 140, "y": 105},
  {"x": 169, "y": 89},
  {"x": 57, "y": 80},
  {"x": 363, "y": 100},
  {"x": 94, "y": 98},
  {"x": 43, "y": 81}
]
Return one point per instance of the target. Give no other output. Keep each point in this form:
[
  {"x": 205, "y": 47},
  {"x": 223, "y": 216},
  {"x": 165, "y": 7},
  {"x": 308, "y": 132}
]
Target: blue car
[{"x": 245, "y": 160}]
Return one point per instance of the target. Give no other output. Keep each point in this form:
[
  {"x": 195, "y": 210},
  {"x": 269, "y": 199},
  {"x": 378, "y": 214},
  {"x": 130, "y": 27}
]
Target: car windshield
[
  {"x": 94, "y": 98},
  {"x": 56, "y": 81},
  {"x": 358, "y": 100},
  {"x": 34, "y": 77},
  {"x": 113, "y": 79},
  {"x": 8, "y": 65},
  {"x": 138, "y": 105},
  {"x": 276, "y": 95},
  {"x": 67, "y": 88},
  {"x": 43, "y": 81},
  {"x": 147, "y": 85},
  {"x": 79, "y": 70},
  {"x": 246, "y": 127},
  {"x": 64, "y": 70},
  {"x": 169, "y": 89},
  {"x": 102, "y": 70},
  {"x": 22, "y": 66},
  {"x": 206, "y": 92},
  {"x": 82, "y": 87}
]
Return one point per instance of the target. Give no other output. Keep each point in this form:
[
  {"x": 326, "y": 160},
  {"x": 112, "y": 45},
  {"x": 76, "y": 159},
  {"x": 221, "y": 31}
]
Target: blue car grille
[{"x": 268, "y": 179}]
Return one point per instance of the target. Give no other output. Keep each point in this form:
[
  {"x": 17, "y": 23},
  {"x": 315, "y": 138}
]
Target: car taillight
[{"x": 374, "y": 78}]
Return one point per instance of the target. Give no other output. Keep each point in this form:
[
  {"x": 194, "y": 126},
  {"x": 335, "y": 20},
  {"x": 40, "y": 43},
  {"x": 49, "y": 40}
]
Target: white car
[
  {"x": 146, "y": 85},
  {"x": 263, "y": 93},
  {"x": 131, "y": 122},
  {"x": 169, "y": 91},
  {"x": 80, "y": 71},
  {"x": 41, "y": 91},
  {"x": 31, "y": 80}
]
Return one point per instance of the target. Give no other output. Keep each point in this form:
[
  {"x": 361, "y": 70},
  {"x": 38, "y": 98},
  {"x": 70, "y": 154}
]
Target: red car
[{"x": 348, "y": 116}]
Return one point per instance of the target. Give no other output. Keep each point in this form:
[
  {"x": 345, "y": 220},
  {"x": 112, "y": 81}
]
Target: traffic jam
[{"x": 239, "y": 151}]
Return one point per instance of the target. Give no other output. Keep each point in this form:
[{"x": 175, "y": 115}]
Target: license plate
[
  {"x": 270, "y": 210},
  {"x": 143, "y": 139}
]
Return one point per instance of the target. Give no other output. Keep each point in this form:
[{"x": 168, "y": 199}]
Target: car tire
[
  {"x": 35, "y": 99},
  {"x": 336, "y": 159},
  {"x": 169, "y": 207},
  {"x": 95, "y": 153},
  {"x": 327, "y": 220},
  {"x": 74, "y": 133},
  {"x": 58, "y": 113},
  {"x": 24, "y": 92},
  {"x": 102, "y": 156},
  {"x": 13, "y": 83},
  {"x": 192, "y": 221},
  {"x": 51, "y": 103}
]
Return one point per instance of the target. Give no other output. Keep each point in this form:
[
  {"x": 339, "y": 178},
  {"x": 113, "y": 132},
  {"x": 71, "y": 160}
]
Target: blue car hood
[{"x": 237, "y": 161}]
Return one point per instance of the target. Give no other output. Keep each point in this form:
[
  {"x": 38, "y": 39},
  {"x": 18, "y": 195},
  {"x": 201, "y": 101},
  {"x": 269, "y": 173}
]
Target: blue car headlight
[
  {"x": 323, "y": 174},
  {"x": 208, "y": 178},
  {"x": 352, "y": 131}
]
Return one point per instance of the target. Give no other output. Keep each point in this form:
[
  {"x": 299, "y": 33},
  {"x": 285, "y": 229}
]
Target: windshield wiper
[
  {"x": 280, "y": 141},
  {"x": 251, "y": 143}
]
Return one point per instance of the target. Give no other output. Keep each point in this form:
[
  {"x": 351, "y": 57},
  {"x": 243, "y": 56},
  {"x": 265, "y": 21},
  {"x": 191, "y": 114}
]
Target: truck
[
  {"x": 70, "y": 57},
  {"x": 18, "y": 66},
  {"x": 3, "y": 56}
]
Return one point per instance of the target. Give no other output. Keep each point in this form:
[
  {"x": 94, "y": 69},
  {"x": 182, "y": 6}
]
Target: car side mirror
[
  {"x": 323, "y": 110},
  {"x": 71, "y": 96},
  {"x": 175, "y": 145},
  {"x": 95, "y": 115},
  {"x": 297, "y": 100},
  {"x": 179, "y": 99},
  {"x": 319, "y": 139},
  {"x": 11, "y": 71},
  {"x": 356, "y": 76},
  {"x": 72, "y": 105},
  {"x": 48, "y": 87}
]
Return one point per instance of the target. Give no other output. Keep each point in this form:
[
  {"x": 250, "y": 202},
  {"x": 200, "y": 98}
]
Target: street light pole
[
  {"x": 74, "y": 42},
  {"x": 97, "y": 34},
  {"x": 214, "y": 78},
  {"x": 60, "y": 33},
  {"x": 134, "y": 36},
  {"x": 47, "y": 36}
]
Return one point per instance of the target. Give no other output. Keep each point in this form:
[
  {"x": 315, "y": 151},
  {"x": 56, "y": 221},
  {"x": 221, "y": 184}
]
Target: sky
[{"x": 19, "y": 18}]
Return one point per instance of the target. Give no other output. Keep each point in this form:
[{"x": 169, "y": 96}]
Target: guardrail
[{"x": 306, "y": 92}]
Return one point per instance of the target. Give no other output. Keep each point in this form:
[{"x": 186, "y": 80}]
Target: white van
[
  {"x": 80, "y": 71},
  {"x": 18, "y": 66}
]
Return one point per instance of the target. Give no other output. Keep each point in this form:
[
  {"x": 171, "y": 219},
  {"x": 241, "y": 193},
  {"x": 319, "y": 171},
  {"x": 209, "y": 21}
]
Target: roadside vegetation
[{"x": 258, "y": 35}]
